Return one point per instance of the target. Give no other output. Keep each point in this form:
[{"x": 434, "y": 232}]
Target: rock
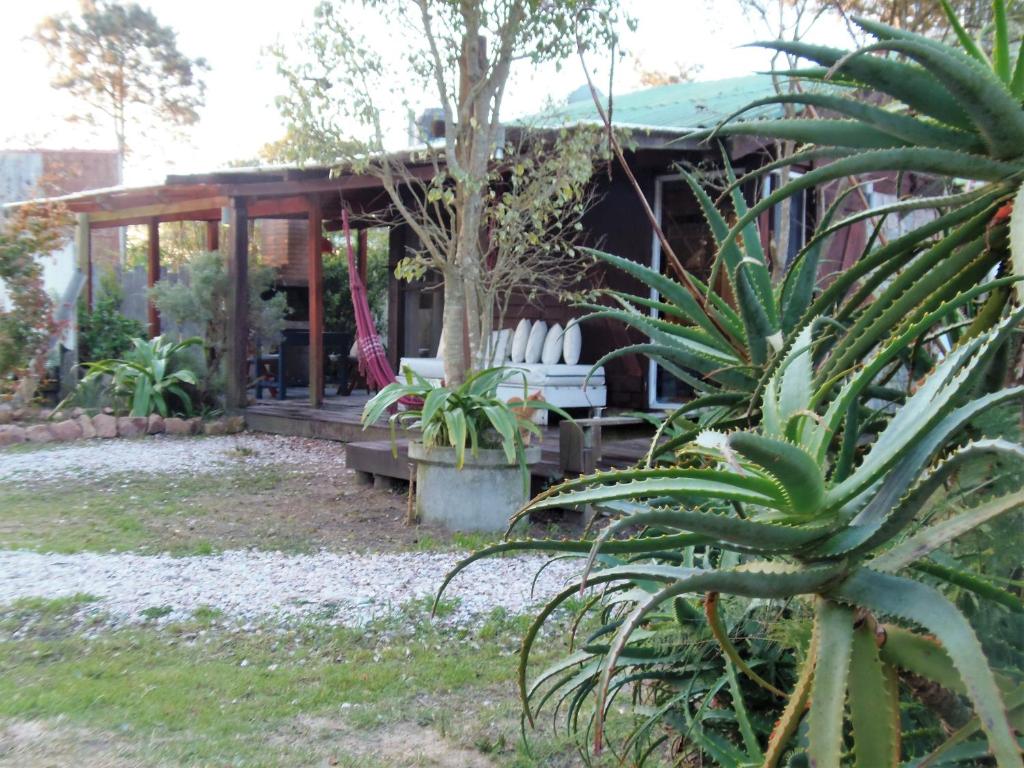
[
  {"x": 11, "y": 435},
  {"x": 131, "y": 426},
  {"x": 88, "y": 430},
  {"x": 108, "y": 410},
  {"x": 69, "y": 429},
  {"x": 234, "y": 424},
  {"x": 155, "y": 425},
  {"x": 77, "y": 413},
  {"x": 105, "y": 425},
  {"x": 6, "y": 413},
  {"x": 39, "y": 433},
  {"x": 176, "y": 426},
  {"x": 218, "y": 427}
]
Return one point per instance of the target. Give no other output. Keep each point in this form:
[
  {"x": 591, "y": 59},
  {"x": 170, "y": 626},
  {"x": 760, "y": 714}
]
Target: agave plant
[
  {"x": 780, "y": 517},
  {"x": 150, "y": 378}
]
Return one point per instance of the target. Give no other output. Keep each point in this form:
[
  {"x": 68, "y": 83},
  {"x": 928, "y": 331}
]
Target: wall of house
[{"x": 28, "y": 174}]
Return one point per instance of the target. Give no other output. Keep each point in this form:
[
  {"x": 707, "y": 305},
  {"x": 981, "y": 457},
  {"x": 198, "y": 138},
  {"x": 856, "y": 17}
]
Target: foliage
[
  {"x": 472, "y": 413},
  {"x": 723, "y": 337},
  {"x": 769, "y": 515},
  {"x": 463, "y": 53},
  {"x": 27, "y": 234},
  {"x": 104, "y": 332},
  {"x": 150, "y": 378},
  {"x": 123, "y": 65},
  {"x": 839, "y": 585},
  {"x": 203, "y": 300}
]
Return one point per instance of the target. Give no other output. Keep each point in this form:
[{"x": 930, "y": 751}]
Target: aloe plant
[
  {"x": 150, "y": 378},
  {"x": 946, "y": 112},
  {"x": 788, "y": 520}
]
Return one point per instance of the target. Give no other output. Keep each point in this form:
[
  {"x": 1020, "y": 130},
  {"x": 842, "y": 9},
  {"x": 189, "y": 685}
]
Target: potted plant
[{"x": 473, "y": 454}]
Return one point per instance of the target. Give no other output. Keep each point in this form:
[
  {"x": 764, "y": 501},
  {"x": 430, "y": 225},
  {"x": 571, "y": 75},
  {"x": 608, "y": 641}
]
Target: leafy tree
[
  {"x": 462, "y": 53},
  {"x": 123, "y": 65},
  {"x": 204, "y": 302},
  {"x": 26, "y": 318}
]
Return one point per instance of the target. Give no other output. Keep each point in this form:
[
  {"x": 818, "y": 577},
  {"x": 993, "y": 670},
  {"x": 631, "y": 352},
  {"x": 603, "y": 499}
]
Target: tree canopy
[{"x": 123, "y": 65}]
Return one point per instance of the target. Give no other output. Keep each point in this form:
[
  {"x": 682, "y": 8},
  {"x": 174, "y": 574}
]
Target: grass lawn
[{"x": 210, "y": 691}]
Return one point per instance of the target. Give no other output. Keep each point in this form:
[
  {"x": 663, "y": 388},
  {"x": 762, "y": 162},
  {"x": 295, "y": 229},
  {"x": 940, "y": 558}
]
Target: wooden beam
[
  {"x": 213, "y": 236},
  {"x": 237, "y": 353},
  {"x": 159, "y": 211},
  {"x": 153, "y": 274},
  {"x": 83, "y": 244},
  {"x": 212, "y": 214},
  {"x": 315, "y": 258},
  {"x": 279, "y": 206}
]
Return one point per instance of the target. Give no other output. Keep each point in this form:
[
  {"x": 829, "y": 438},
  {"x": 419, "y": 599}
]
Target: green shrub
[
  {"x": 204, "y": 302},
  {"x": 104, "y": 332}
]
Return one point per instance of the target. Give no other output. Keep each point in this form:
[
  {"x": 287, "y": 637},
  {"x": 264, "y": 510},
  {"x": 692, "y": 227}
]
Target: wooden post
[
  {"x": 314, "y": 239},
  {"x": 213, "y": 236},
  {"x": 83, "y": 244},
  {"x": 153, "y": 274},
  {"x": 237, "y": 353}
]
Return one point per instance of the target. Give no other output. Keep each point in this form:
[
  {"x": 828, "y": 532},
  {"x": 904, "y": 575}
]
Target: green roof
[{"x": 678, "y": 108}]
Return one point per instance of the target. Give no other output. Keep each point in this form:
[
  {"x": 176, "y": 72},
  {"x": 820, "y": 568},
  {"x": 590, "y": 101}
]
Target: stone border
[{"x": 107, "y": 426}]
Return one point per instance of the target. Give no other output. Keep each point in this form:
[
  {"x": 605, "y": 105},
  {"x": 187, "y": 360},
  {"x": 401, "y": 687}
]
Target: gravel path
[
  {"x": 164, "y": 455},
  {"x": 247, "y": 585}
]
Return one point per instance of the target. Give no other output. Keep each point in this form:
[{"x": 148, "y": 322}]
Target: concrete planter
[{"x": 481, "y": 496}]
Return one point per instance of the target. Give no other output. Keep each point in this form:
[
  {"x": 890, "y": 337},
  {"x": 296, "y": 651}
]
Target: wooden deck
[{"x": 370, "y": 451}]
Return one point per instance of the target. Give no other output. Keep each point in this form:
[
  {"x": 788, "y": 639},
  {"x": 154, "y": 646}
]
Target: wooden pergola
[{"x": 233, "y": 198}]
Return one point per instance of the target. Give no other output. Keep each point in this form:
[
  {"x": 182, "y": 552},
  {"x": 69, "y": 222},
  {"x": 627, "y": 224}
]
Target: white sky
[{"x": 239, "y": 116}]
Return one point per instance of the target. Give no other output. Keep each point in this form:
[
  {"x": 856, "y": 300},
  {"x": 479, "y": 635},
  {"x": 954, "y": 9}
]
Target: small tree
[
  {"x": 463, "y": 53},
  {"x": 204, "y": 302},
  {"x": 28, "y": 233},
  {"x": 123, "y": 65}
]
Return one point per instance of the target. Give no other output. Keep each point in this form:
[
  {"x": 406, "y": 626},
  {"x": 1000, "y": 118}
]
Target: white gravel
[
  {"x": 98, "y": 459},
  {"x": 347, "y": 589}
]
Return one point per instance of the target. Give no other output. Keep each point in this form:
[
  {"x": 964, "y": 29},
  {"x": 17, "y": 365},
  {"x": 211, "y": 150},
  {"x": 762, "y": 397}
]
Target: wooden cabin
[{"x": 295, "y": 206}]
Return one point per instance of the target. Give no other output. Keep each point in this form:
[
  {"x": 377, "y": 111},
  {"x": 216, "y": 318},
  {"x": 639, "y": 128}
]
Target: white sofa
[{"x": 559, "y": 384}]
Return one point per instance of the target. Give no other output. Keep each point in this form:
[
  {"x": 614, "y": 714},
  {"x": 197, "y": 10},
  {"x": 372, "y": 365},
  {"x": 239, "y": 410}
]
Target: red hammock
[{"x": 373, "y": 360}]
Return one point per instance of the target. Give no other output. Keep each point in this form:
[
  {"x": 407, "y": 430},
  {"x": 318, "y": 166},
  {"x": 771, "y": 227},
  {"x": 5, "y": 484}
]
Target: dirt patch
[
  {"x": 306, "y": 511},
  {"x": 48, "y": 744},
  {"x": 401, "y": 745}
]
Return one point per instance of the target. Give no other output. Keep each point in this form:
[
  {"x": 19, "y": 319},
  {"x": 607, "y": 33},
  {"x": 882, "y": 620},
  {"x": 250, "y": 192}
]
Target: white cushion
[
  {"x": 519, "y": 340},
  {"x": 572, "y": 343},
  {"x": 535, "y": 344},
  {"x": 552, "y": 350},
  {"x": 540, "y": 375}
]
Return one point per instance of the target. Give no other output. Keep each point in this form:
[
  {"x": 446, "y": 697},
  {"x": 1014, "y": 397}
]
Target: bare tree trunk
[{"x": 454, "y": 318}]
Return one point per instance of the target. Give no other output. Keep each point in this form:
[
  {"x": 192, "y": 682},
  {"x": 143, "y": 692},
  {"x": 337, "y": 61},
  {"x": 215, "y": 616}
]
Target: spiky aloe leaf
[
  {"x": 828, "y": 692},
  {"x": 797, "y": 472},
  {"x": 787, "y": 393},
  {"x": 903, "y": 81},
  {"x": 895, "y": 124},
  {"x": 874, "y": 704},
  {"x": 673, "y": 483},
  {"x": 995, "y": 113},
  {"x": 920, "y": 604},
  {"x": 926, "y": 541}
]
